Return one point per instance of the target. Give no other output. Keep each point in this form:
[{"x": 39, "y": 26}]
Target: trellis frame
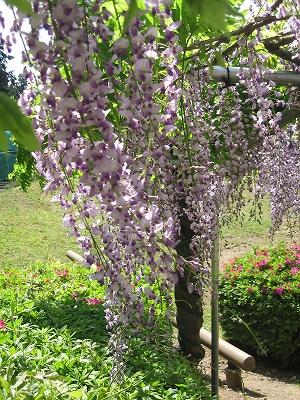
[{"x": 231, "y": 75}]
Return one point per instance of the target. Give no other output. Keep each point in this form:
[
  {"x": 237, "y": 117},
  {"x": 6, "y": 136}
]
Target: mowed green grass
[
  {"x": 31, "y": 228},
  {"x": 239, "y": 237}
]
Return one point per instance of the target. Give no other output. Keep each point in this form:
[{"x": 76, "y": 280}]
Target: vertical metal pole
[{"x": 215, "y": 313}]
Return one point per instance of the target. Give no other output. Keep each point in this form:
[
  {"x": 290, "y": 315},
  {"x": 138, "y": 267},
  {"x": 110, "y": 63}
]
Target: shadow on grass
[
  {"x": 83, "y": 321},
  {"x": 150, "y": 369}
]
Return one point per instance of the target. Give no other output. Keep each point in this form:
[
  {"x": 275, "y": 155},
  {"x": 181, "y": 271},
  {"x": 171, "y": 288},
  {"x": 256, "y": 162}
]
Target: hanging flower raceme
[
  {"x": 106, "y": 146},
  {"x": 133, "y": 139}
]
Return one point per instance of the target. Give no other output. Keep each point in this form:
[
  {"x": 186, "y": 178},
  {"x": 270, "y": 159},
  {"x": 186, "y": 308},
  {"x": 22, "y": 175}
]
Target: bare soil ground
[{"x": 265, "y": 382}]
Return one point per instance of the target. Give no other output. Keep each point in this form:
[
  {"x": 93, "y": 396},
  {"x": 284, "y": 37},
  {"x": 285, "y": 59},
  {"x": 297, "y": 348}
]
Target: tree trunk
[{"x": 189, "y": 305}]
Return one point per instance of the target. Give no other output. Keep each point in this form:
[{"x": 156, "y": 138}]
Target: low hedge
[{"x": 260, "y": 302}]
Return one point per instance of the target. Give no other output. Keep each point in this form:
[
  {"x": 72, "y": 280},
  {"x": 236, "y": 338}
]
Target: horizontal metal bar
[{"x": 281, "y": 78}]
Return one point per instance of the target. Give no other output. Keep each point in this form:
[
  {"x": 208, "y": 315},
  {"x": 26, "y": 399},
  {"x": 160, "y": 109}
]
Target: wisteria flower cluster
[
  {"x": 259, "y": 301},
  {"x": 137, "y": 140}
]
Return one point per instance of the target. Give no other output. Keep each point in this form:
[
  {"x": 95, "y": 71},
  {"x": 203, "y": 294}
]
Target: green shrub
[{"x": 260, "y": 302}]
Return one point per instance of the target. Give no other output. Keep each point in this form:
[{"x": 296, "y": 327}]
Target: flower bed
[{"x": 260, "y": 302}]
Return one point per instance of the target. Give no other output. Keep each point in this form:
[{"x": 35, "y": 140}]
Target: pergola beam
[
  {"x": 281, "y": 78},
  {"x": 232, "y": 75}
]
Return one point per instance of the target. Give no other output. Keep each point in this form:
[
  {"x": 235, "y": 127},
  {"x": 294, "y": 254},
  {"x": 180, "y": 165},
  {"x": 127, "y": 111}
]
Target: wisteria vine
[{"x": 134, "y": 134}]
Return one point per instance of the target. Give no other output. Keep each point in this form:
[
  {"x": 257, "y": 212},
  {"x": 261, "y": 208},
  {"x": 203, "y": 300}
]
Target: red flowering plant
[
  {"x": 260, "y": 301},
  {"x": 63, "y": 274}
]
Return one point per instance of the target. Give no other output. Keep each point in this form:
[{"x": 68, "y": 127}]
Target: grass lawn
[
  {"x": 240, "y": 238},
  {"x": 31, "y": 228}
]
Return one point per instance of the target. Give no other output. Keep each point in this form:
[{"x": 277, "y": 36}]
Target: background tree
[
  {"x": 10, "y": 84},
  {"x": 10, "y": 90},
  {"x": 17, "y": 86},
  {"x": 24, "y": 170},
  {"x": 153, "y": 153},
  {"x": 4, "y": 79}
]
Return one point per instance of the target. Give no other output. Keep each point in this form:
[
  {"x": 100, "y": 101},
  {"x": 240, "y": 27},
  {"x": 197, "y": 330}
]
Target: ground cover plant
[
  {"x": 54, "y": 343},
  {"x": 260, "y": 302}
]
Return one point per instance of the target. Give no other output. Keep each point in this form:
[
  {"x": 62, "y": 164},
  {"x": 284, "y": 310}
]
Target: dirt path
[{"x": 265, "y": 383}]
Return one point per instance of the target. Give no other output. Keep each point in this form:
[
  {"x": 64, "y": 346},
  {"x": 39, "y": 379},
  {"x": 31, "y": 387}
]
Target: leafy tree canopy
[
  {"x": 10, "y": 84},
  {"x": 11, "y": 88}
]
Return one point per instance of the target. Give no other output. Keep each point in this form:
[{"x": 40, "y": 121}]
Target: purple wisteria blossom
[{"x": 136, "y": 139}]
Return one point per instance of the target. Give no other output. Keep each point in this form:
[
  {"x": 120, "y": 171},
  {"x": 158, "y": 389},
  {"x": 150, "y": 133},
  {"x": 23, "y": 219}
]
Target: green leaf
[
  {"x": 181, "y": 13},
  {"x": 105, "y": 53},
  {"x": 76, "y": 393},
  {"x": 10, "y": 370},
  {"x": 22, "y": 5},
  {"x": 229, "y": 10},
  {"x": 131, "y": 13},
  {"x": 3, "y": 140},
  {"x": 220, "y": 59},
  {"x": 41, "y": 392},
  {"x": 19, "y": 380},
  {"x": 4, "y": 337},
  {"x": 212, "y": 12},
  {"x": 5, "y": 384},
  {"x": 17, "y": 123}
]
